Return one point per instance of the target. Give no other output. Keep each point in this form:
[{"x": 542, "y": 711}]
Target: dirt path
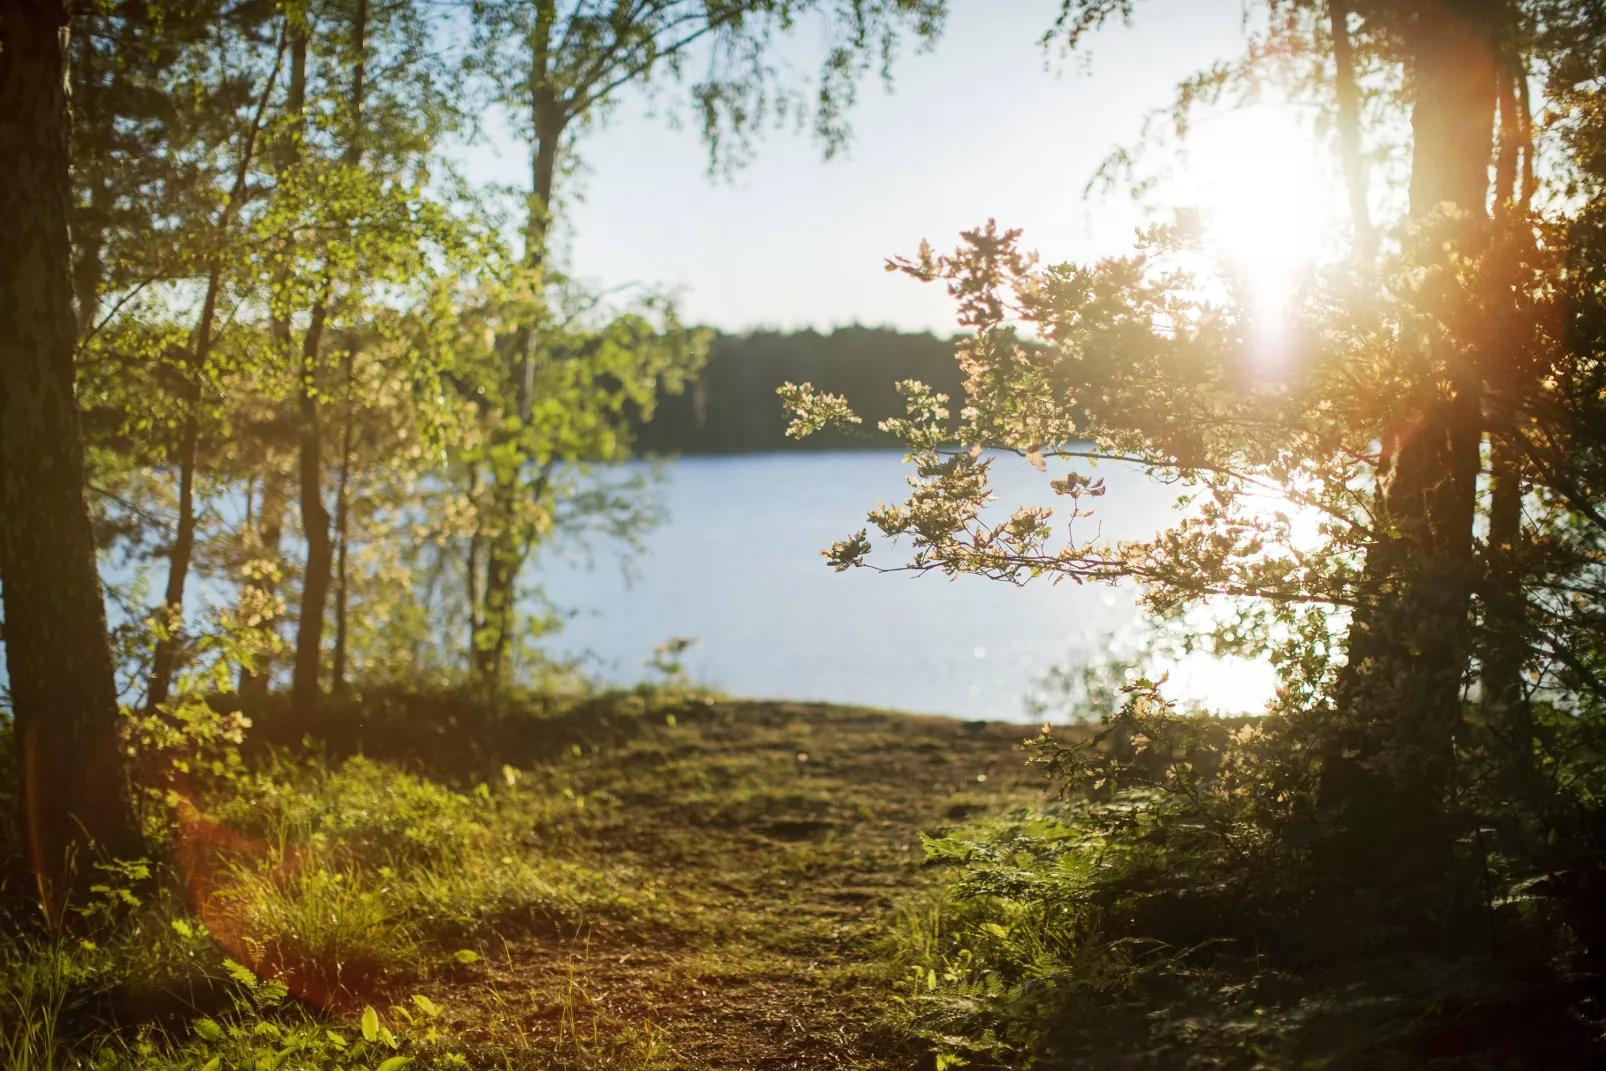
[{"x": 764, "y": 846}]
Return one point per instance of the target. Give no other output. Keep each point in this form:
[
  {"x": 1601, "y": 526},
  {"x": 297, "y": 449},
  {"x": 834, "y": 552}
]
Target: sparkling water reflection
[{"x": 738, "y": 567}]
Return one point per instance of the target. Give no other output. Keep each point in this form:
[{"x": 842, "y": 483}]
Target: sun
[{"x": 1265, "y": 196}]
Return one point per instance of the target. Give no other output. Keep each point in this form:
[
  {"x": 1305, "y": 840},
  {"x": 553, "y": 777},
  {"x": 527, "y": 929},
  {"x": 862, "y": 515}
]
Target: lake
[{"x": 737, "y": 566}]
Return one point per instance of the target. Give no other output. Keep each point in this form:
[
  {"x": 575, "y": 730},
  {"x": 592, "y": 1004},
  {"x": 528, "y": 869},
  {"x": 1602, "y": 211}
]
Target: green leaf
[
  {"x": 995, "y": 929},
  {"x": 387, "y": 1037},
  {"x": 395, "y": 1063},
  {"x": 370, "y": 1024},
  {"x": 240, "y": 972},
  {"x": 212, "y": 1064},
  {"x": 208, "y": 1030},
  {"x": 427, "y": 1006},
  {"x": 466, "y": 955}
]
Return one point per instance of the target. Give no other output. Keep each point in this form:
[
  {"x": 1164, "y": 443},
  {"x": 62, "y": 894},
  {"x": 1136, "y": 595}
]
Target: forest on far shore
[{"x": 731, "y": 408}]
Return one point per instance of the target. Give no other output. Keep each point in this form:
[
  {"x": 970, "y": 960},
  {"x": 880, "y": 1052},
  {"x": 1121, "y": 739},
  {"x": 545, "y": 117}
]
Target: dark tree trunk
[
  {"x": 74, "y": 789},
  {"x": 337, "y": 681},
  {"x": 91, "y": 138},
  {"x": 359, "y": 86},
  {"x": 1408, "y": 647},
  {"x": 306, "y": 688},
  {"x": 1349, "y": 127},
  {"x": 1504, "y": 641},
  {"x": 476, "y": 540},
  {"x": 1386, "y": 780},
  {"x": 169, "y": 642}
]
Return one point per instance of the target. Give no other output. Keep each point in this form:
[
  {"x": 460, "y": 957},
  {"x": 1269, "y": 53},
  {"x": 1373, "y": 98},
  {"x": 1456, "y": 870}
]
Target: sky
[{"x": 986, "y": 125}]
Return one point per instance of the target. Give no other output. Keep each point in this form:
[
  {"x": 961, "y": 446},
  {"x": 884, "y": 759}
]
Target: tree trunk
[
  {"x": 306, "y": 688},
  {"x": 337, "y": 682},
  {"x": 91, "y": 136},
  {"x": 170, "y": 639},
  {"x": 1505, "y": 626},
  {"x": 1407, "y": 651},
  {"x": 1387, "y": 776},
  {"x": 359, "y": 86},
  {"x": 475, "y": 541},
  {"x": 1349, "y": 128},
  {"x": 75, "y": 795},
  {"x": 508, "y": 541},
  {"x": 1505, "y": 645}
]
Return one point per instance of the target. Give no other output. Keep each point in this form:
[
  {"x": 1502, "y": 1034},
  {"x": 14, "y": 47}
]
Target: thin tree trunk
[
  {"x": 359, "y": 87},
  {"x": 505, "y": 551},
  {"x": 1505, "y": 639},
  {"x": 75, "y": 798},
  {"x": 337, "y": 682},
  {"x": 1506, "y": 642},
  {"x": 306, "y": 688},
  {"x": 475, "y": 540},
  {"x": 170, "y": 637},
  {"x": 90, "y": 137},
  {"x": 1349, "y": 128}
]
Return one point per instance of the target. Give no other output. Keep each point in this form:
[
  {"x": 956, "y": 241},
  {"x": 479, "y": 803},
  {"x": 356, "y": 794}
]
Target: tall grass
[{"x": 343, "y": 885}]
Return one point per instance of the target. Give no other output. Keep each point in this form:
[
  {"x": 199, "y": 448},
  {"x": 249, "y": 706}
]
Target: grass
[{"x": 637, "y": 882}]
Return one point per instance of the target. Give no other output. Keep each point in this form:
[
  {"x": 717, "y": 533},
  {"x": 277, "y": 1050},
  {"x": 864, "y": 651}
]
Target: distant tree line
[{"x": 731, "y": 407}]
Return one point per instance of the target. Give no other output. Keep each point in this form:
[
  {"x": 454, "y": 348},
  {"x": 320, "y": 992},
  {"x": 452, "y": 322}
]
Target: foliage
[
  {"x": 302, "y": 898},
  {"x": 1173, "y": 910}
]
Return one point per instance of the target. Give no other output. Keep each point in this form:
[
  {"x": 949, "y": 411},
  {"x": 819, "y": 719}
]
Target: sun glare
[{"x": 1257, "y": 178}]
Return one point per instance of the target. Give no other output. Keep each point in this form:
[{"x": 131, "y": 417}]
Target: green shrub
[
  {"x": 1175, "y": 910},
  {"x": 359, "y": 809},
  {"x": 336, "y": 935}
]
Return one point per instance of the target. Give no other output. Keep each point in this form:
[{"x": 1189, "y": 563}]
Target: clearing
[{"x": 764, "y": 846}]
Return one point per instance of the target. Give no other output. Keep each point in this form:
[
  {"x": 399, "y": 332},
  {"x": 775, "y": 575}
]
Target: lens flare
[{"x": 1256, "y": 175}]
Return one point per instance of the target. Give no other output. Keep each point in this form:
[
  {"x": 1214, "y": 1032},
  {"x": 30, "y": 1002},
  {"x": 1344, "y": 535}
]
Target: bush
[{"x": 1173, "y": 910}]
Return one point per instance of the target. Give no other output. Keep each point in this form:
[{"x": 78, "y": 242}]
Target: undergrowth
[
  {"x": 290, "y": 900},
  {"x": 1179, "y": 907}
]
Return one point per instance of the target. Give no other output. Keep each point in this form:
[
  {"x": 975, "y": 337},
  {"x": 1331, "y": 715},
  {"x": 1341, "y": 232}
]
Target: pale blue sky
[{"x": 987, "y": 124}]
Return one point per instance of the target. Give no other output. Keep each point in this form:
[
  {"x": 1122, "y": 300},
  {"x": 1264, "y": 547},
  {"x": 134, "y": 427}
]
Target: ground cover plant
[{"x": 652, "y": 880}]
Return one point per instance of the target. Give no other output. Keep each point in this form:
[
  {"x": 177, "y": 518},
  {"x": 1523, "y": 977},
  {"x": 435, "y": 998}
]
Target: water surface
[{"x": 738, "y": 567}]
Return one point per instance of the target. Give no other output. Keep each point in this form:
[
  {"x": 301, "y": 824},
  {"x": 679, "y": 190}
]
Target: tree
[
  {"x": 354, "y": 214},
  {"x": 1420, "y": 417},
  {"x": 557, "y": 69},
  {"x": 198, "y": 370},
  {"x": 75, "y": 793},
  {"x": 1431, "y": 757}
]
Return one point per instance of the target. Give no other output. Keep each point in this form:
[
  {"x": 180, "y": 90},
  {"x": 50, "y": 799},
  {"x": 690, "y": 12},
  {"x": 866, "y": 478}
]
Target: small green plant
[
  {"x": 336, "y": 933},
  {"x": 668, "y": 659}
]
